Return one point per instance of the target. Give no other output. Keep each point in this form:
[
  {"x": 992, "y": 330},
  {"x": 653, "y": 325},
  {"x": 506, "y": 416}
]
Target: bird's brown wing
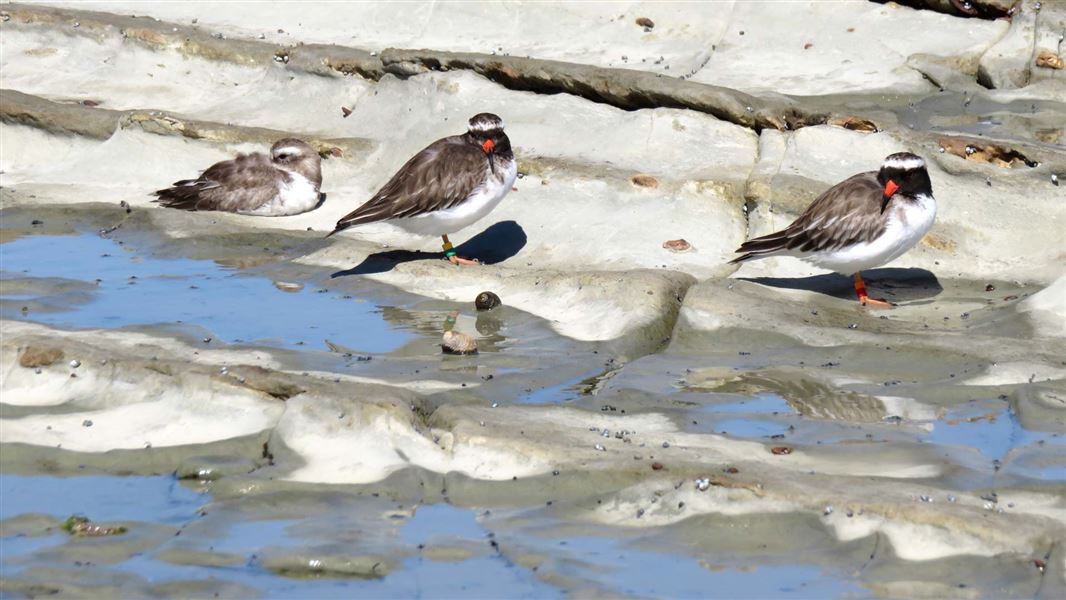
[
  {"x": 441, "y": 176},
  {"x": 239, "y": 185},
  {"x": 845, "y": 214}
]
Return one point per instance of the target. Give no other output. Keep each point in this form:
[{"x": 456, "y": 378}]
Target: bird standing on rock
[
  {"x": 452, "y": 183},
  {"x": 863, "y": 222},
  {"x": 285, "y": 183}
]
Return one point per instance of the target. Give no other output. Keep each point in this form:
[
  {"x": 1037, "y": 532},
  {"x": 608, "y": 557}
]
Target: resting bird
[
  {"x": 863, "y": 222},
  {"x": 285, "y": 183},
  {"x": 452, "y": 183}
]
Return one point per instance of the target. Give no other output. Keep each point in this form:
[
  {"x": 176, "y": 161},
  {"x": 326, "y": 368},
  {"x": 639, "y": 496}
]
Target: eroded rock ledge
[
  {"x": 100, "y": 123},
  {"x": 623, "y": 88}
]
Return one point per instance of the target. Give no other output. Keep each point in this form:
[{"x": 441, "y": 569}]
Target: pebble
[
  {"x": 287, "y": 286},
  {"x": 600, "y": 447},
  {"x": 74, "y": 364},
  {"x": 703, "y": 484},
  {"x": 454, "y": 342},
  {"x": 87, "y": 423},
  {"x": 828, "y": 510}
]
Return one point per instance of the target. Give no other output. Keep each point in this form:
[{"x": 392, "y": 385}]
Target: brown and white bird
[
  {"x": 285, "y": 183},
  {"x": 452, "y": 183},
  {"x": 863, "y": 222}
]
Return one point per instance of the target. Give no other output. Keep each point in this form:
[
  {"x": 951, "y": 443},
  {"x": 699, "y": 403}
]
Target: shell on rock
[
  {"x": 678, "y": 245},
  {"x": 644, "y": 181},
  {"x": 487, "y": 301},
  {"x": 454, "y": 342},
  {"x": 1049, "y": 60}
]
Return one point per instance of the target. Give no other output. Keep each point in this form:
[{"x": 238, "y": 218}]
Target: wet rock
[
  {"x": 264, "y": 380},
  {"x": 487, "y": 301},
  {"x": 213, "y": 468},
  {"x": 39, "y": 356},
  {"x": 80, "y": 526},
  {"x": 337, "y": 564},
  {"x": 286, "y": 286},
  {"x": 985, "y": 152},
  {"x": 855, "y": 124},
  {"x": 454, "y": 342}
]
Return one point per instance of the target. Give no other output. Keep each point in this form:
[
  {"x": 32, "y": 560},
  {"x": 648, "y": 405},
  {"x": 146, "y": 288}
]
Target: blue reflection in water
[{"x": 139, "y": 289}]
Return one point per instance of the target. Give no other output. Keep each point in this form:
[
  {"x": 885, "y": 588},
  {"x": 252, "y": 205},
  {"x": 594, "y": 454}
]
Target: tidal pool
[
  {"x": 234, "y": 306},
  {"x": 612, "y": 565}
]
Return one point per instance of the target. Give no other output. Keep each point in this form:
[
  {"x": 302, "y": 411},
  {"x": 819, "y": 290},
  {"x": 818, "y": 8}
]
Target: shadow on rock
[
  {"x": 898, "y": 285},
  {"x": 494, "y": 245}
]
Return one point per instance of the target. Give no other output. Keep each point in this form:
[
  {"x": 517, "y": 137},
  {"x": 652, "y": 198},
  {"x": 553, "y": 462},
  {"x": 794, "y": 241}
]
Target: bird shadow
[
  {"x": 494, "y": 245},
  {"x": 896, "y": 284}
]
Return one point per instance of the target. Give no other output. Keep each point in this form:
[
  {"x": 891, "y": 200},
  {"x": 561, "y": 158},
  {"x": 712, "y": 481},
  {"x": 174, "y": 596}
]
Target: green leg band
[{"x": 449, "y": 250}]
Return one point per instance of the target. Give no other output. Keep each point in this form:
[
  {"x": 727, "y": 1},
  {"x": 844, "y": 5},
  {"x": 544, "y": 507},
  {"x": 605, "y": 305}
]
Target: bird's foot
[
  {"x": 876, "y": 302},
  {"x": 458, "y": 260},
  {"x": 860, "y": 291}
]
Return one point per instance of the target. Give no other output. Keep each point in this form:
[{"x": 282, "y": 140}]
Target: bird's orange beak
[
  {"x": 488, "y": 145},
  {"x": 890, "y": 189}
]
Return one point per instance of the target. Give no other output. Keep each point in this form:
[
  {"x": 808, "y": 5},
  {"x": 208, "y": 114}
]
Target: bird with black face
[
  {"x": 865, "y": 221},
  {"x": 450, "y": 184}
]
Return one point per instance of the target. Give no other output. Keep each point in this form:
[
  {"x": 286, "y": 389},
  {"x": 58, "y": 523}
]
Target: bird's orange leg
[
  {"x": 449, "y": 251},
  {"x": 860, "y": 290}
]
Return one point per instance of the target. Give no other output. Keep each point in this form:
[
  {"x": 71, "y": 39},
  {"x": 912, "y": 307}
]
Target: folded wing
[
  {"x": 845, "y": 214},
  {"x": 441, "y": 176},
  {"x": 239, "y": 185}
]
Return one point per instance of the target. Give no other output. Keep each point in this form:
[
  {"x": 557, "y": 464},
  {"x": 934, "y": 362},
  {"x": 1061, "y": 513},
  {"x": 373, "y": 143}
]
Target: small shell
[
  {"x": 644, "y": 181},
  {"x": 678, "y": 245},
  {"x": 487, "y": 301},
  {"x": 453, "y": 342},
  {"x": 1049, "y": 60}
]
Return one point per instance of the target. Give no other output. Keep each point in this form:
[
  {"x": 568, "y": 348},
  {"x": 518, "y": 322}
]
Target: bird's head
[
  {"x": 486, "y": 132},
  {"x": 297, "y": 155},
  {"x": 903, "y": 174}
]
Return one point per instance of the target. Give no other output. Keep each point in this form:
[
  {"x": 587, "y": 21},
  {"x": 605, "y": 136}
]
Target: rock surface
[{"x": 635, "y": 401}]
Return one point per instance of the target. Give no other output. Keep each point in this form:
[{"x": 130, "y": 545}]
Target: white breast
[
  {"x": 480, "y": 203},
  {"x": 908, "y": 222},
  {"x": 295, "y": 197}
]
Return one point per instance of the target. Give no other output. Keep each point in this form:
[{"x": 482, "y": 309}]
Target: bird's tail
[{"x": 761, "y": 247}]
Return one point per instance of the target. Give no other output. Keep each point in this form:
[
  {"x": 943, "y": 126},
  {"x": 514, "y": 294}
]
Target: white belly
[
  {"x": 473, "y": 209},
  {"x": 297, "y": 196},
  {"x": 907, "y": 225}
]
